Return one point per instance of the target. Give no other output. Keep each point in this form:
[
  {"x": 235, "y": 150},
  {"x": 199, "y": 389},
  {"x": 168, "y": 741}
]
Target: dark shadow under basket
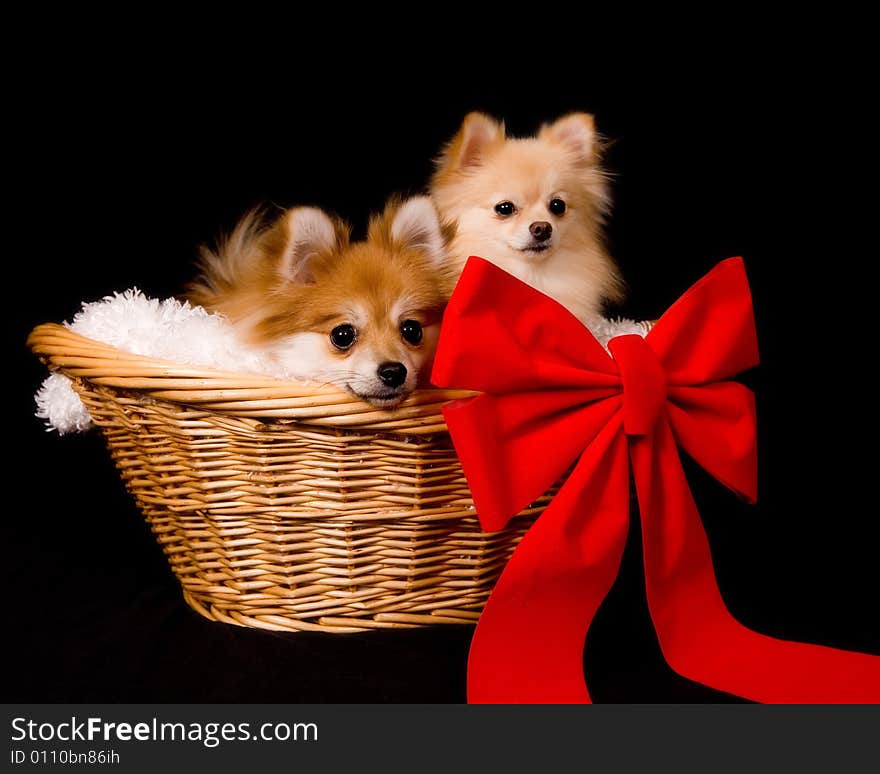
[{"x": 289, "y": 507}]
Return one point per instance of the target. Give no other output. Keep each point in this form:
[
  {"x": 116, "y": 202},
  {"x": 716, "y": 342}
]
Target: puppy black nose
[
  {"x": 541, "y": 230},
  {"x": 392, "y": 374}
]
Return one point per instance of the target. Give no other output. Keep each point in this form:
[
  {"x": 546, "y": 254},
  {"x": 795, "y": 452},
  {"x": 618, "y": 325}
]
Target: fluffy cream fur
[{"x": 481, "y": 168}]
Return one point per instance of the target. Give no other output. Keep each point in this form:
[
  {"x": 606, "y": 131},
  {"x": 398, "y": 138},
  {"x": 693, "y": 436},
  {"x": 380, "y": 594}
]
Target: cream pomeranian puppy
[
  {"x": 533, "y": 206},
  {"x": 363, "y": 316}
]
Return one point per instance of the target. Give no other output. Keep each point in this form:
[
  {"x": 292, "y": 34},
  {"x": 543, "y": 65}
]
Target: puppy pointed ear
[
  {"x": 415, "y": 225},
  {"x": 304, "y": 234},
  {"x": 477, "y": 135},
  {"x": 577, "y": 133}
]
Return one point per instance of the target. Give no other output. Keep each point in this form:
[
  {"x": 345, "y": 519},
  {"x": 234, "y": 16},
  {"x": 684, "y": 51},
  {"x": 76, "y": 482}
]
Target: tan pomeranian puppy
[
  {"x": 533, "y": 206},
  {"x": 363, "y": 316}
]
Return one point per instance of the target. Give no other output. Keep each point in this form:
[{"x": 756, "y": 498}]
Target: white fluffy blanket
[{"x": 174, "y": 330}]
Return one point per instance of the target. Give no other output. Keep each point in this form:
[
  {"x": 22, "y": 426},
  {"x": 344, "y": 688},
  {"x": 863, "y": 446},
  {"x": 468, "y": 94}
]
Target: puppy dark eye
[
  {"x": 411, "y": 330},
  {"x": 556, "y": 206},
  {"x": 343, "y": 336},
  {"x": 504, "y": 209}
]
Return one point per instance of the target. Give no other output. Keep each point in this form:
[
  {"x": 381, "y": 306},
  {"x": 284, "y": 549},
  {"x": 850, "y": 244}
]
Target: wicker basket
[{"x": 287, "y": 507}]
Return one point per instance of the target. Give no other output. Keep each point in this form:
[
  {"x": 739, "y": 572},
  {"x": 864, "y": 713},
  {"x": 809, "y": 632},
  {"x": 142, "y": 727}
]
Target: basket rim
[{"x": 235, "y": 393}]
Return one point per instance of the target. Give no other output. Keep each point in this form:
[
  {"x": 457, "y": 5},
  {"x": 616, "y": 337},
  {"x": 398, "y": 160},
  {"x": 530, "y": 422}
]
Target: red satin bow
[{"x": 552, "y": 395}]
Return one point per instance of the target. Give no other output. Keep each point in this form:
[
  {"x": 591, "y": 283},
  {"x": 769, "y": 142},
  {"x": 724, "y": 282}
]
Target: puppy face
[
  {"x": 368, "y": 322},
  {"x": 363, "y": 316},
  {"x": 527, "y": 201},
  {"x": 534, "y": 206}
]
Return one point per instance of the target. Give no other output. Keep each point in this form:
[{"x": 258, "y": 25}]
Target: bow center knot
[{"x": 644, "y": 383}]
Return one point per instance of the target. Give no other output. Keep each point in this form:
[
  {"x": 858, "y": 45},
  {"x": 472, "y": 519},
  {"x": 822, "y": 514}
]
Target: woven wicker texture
[{"x": 284, "y": 506}]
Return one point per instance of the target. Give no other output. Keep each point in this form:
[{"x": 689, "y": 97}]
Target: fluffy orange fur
[{"x": 286, "y": 285}]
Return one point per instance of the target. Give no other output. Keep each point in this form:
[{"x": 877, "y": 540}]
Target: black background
[{"x": 124, "y": 161}]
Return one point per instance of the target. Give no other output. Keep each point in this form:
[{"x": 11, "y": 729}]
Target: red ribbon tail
[
  {"x": 529, "y": 643},
  {"x": 699, "y": 637}
]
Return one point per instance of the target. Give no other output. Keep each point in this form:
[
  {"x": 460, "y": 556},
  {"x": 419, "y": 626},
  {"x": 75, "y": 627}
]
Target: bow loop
[
  {"x": 514, "y": 447},
  {"x": 708, "y": 334},
  {"x": 715, "y": 424},
  {"x": 499, "y": 335}
]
